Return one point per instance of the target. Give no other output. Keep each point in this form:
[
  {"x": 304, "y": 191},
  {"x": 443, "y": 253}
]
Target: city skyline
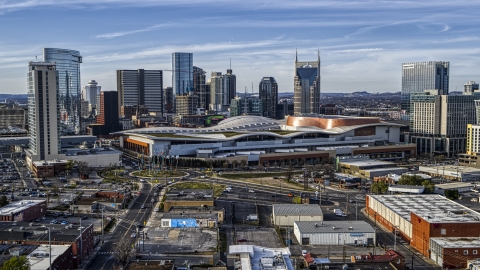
[{"x": 373, "y": 37}]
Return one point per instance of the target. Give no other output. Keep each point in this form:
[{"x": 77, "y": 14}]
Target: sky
[{"x": 362, "y": 43}]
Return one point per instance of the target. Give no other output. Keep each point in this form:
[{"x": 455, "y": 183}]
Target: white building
[
  {"x": 334, "y": 233},
  {"x": 90, "y": 93},
  {"x": 261, "y": 258},
  {"x": 406, "y": 189},
  {"x": 461, "y": 187},
  {"x": 287, "y": 214},
  {"x": 39, "y": 258}
]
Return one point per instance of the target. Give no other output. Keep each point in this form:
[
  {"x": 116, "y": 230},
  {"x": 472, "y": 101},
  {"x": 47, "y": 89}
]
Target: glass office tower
[
  {"x": 420, "y": 76},
  {"x": 69, "y": 88},
  {"x": 182, "y": 73}
]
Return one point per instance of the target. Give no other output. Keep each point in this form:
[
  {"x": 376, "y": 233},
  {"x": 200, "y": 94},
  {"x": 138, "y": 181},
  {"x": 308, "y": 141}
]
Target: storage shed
[
  {"x": 334, "y": 233},
  {"x": 286, "y": 214}
]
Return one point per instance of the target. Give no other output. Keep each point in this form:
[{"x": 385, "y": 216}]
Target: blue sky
[{"x": 362, "y": 42}]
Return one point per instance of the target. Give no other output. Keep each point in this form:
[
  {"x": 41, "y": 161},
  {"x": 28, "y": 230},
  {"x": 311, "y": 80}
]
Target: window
[
  {"x": 456, "y": 250},
  {"x": 475, "y": 252},
  {"x": 165, "y": 223},
  {"x": 465, "y": 252},
  {"x": 443, "y": 231}
]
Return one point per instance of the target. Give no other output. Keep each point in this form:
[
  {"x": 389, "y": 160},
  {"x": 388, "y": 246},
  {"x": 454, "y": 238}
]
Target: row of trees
[{"x": 411, "y": 180}]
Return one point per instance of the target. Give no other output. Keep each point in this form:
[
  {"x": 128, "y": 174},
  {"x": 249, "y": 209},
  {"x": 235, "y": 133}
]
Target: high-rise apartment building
[
  {"x": 222, "y": 90},
  {"x": 182, "y": 73},
  {"x": 186, "y": 104},
  {"x": 307, "y": 87},
  {"x": 69, "y": 96},
  {"x": 140, "y": 87},
  {"x": 43, "y": 111},
  {"x": 169, "y": 100},
  {"x": 246, "y": 106},
  {"x": 268, "y": 94},
  {"x": 107, "y": 118},
  {"x": 230, "y": 81},
  {"x": 438, "y": 123},
  {"x": 470, "y": 87},
  {"x": 420, "y": 76},
  {"x": 200, "y": 87},
  {"x": 90, "y": 93}
]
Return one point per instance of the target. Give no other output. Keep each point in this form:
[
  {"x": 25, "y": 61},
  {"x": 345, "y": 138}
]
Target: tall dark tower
[
  {"x": 268, "y": 93},
  {"x": 307, "y": 86}
]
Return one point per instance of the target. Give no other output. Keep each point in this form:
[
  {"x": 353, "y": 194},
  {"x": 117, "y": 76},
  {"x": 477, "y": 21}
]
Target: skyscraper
[
  {"x": 218, "y": 93},
  {"x": 438, "y": 122},
  {"x": 69, "y": 96},
  {"x": 420, "y": 76},
  {"x": 307, "y": 87},
  {"x": 230, "y": 81},
  {"x": 90, "y": 93},
  {"x": 268, "y": 94},
  {"x": 199, "y": 86},
  {"x": 140, "y": 87},
  {"x": 470, "y": 87},
  {"x": 43, "y": 111},
  {"x": 107, "y": 119},
  {"x": 182, "y": 73}
]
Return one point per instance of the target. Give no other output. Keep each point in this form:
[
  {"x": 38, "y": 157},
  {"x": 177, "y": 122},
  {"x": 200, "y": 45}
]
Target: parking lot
[
  {"x": 265, "y": 237},
  {"x": 166, "y": 240}
]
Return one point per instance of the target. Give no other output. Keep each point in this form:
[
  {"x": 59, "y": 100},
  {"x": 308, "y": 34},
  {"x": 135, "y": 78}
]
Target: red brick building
[
  {"x": 418, "y": 218},
  {"x": 30, "y": 234},
  {"x": 25, "y": 210},
  {"x": 454, "y": 252}
]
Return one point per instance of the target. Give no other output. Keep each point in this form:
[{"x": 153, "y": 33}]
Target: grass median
[{"x": 217, "y": 188}]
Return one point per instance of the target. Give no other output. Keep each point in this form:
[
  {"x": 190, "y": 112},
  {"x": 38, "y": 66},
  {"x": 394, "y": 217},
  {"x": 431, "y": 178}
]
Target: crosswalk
[{"x": 106, "y": 253}]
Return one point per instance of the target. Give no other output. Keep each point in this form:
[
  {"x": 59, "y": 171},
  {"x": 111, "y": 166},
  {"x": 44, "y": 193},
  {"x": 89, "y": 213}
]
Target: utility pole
[
  {"x": 81, "y": 240},
  {"x": 103, "y": 226},
  {"x": 346, "y": 208},
  {"x": 50, "y": 247},
  {"x": 356, "y": 210},
  {"x": 344, "y": 248}
]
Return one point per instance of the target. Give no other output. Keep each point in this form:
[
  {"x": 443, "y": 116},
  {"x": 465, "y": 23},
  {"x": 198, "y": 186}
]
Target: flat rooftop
[
  {"x": 454, "y": 185},
  {"x": 259, "y": 258},
  {"x": 297, "y": 210},
  {"x": 38, "y": 232},
  {"x": 440, "y": 169},
  {"x": 363, "y": 163},
  {"x": 39, "y": 259},
  {"x": 18, "y": 206},
  {"x": 454, "y": 242},
  {"x": 433, "y": 208},
  {"x": 334, "y": 227}
]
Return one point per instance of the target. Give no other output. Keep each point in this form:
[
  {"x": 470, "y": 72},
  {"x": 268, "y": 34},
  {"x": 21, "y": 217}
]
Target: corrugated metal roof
[
  {"x": 297, "y": 210},
  {"x": 334, "y": 227}
]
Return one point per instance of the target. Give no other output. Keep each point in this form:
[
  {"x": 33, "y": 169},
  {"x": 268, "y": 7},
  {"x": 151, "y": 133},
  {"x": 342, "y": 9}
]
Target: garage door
[{"x": 305, "y": 241}]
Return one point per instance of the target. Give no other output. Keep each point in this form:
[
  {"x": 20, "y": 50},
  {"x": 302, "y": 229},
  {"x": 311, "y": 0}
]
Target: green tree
[
  {"x": 379, "y": 188},
  {"x": 429, "y": 187},
  {"x": 297, "y": 200},
  {"x": 3, "y": 201},
  {"x": 452, "y": 194},
  {"x": 411, "y": 180},
  {"x": 16, "y": 263}
]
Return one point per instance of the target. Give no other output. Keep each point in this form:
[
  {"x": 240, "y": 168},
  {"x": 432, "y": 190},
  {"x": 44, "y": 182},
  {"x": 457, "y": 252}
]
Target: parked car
[
  {"x": 133, "y": 235},
  {"x": 242, "y": 240}
]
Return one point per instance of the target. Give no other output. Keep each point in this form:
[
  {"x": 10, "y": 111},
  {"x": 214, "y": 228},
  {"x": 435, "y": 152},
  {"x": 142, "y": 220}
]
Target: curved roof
[{"x": 239, "y": 127}]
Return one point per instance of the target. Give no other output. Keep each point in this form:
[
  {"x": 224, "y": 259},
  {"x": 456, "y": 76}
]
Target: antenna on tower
[
  {"x": 230, "y": 63},
  {"x": 245, "y": 107},
  {"x": 296, "y": 55}
]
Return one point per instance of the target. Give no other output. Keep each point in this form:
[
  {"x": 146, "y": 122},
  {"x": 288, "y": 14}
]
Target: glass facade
[
  {"x": 69, "y": 88},
  {"x": 182, "y": 73},
  {"x": 268, "y": 92},
  {"x": 307, "y": 87},
  {"x": 420, "y": 76}
]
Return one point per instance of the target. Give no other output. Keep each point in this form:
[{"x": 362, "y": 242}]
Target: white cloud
[{"x": 124, "y": 33}]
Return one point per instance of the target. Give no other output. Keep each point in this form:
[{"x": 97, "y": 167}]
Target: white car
[
  {"x": 251, "y": 190},
  {"x": 142, "y": 180},
  {"x": 133, "y": 235},
  {"x": 143, "y": 206},
  {"x": 156, "y": 210}
]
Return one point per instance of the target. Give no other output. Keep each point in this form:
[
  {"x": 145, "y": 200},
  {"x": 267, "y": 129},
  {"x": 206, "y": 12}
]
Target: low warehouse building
[
  {"x": 452, "y": 252},
  {"x": 286, "y": 214},
  {"x": 418, "y": 218},
  {"x": 24, "y": 210},
  {"x": 334, "y": 233},
  {"x": 462, "y": 187}
]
